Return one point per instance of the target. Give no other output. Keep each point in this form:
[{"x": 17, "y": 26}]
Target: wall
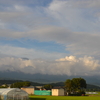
[
  {"x": 28, "y": 90},
  {"x": 61, "y": 92},
  {"x": 57, "y": 92},
  {"x": 42, "y": 92}
]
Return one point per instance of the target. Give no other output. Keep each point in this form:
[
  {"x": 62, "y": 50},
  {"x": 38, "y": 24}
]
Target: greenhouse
[{"x": 13, "y": 94}]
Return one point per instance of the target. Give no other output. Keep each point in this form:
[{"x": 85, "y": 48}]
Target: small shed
[
  {"x": 13, "y": 94},
  {"x": 57, "y": 92}
]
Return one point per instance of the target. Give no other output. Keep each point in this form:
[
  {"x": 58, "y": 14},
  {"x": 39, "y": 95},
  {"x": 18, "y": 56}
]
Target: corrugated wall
[{"x": 42, "y": 92}]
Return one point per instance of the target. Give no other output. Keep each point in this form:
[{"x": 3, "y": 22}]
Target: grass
[{"x": 65, "y": 97}]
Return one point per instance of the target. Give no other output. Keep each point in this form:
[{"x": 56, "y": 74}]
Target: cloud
[
  {"x": 11, "y": 51},
  {"x": 70, "y": 58},
  {"x": 72, "y": 23},
  {"x": 78, "y": 3},
  {"x": 23, "y": 18},
  {"x": 70, "y": 65},
  {"x": 78, "y": 43},
  {"x": 88, "y": 44},
  {"x": 74, "y": 18},
  {"x": 85, "y": 3}
]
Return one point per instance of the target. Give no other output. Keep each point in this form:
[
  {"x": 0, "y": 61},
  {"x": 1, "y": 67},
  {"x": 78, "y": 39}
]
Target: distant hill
[
  {"x": 58, "y": 84},
  {"x": 90, "y": 86},
  {"x": 44, "y": 78},
  {"x": 6, "y": 81}
]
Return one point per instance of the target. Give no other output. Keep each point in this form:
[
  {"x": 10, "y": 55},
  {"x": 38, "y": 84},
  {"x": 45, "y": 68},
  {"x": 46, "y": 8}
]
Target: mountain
[
  {"x": 90, "y": 86},
  {"x": 45, "y": 78}
]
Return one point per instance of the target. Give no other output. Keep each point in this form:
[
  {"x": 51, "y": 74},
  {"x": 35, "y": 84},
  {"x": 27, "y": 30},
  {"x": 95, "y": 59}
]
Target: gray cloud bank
[{"x": 70, "y": 65}]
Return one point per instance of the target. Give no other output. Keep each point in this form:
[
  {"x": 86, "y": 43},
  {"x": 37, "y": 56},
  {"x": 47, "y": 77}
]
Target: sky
[{"x": 55, "y": 37}]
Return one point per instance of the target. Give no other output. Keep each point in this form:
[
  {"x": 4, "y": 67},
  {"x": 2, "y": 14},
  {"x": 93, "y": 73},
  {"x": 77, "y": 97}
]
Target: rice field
[{"x": 65, "y": 97}]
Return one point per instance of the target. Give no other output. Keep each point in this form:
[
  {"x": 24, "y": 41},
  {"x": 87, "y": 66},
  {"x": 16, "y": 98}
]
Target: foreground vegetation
[{"x": 64, "y": 97}]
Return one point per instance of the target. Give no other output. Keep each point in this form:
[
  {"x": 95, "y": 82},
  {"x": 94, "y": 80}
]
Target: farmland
[{"x": 96, "y": 97}]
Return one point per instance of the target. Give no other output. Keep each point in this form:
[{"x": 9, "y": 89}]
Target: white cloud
[
  {"x": 69, "y": 66},
  {"x": 70, "y": 58},
  {"x": 80, "y": 66}
]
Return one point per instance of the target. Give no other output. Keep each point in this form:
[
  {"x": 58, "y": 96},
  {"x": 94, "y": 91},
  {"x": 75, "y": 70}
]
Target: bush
[{"x": 80, "y": 93}]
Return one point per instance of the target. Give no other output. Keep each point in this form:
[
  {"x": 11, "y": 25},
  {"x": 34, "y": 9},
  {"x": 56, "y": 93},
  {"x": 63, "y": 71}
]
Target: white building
[{"x": 57, "y": 92}]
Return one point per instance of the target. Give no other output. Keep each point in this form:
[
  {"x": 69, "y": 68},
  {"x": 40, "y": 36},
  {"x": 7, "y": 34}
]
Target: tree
[
  {"x": 20, "y": 84},
  {"x": 48, "y": 87},
  {"x": 26, "y": 83},
  {"x": 79, "y": 83},
  {"x": 76, "y": 84},
  {"x": 69, "y": 85}
]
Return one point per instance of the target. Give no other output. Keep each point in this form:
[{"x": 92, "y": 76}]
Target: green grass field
[{"x": 65, "y": 97}]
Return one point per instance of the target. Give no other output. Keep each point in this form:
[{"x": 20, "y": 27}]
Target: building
[
  {"x": 29, "y": 90},
  {"x": 57, "y": 92},
  {"x": 13, "y": 94},
  {"x": 36, "y": 90}
]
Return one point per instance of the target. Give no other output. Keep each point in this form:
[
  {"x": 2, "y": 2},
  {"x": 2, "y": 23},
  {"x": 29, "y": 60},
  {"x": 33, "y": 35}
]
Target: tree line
[{"x": 20, "y": 84}]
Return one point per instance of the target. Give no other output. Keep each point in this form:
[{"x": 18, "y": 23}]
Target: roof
[
  {"x": 57, "y": 87},
  {"x": 28, "y": 87},
  {"x": 4, "y": 91}
]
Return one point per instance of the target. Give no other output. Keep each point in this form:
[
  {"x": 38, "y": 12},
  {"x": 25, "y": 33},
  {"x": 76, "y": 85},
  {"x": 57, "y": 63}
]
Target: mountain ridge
[{"x": 45, "y": 78}]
